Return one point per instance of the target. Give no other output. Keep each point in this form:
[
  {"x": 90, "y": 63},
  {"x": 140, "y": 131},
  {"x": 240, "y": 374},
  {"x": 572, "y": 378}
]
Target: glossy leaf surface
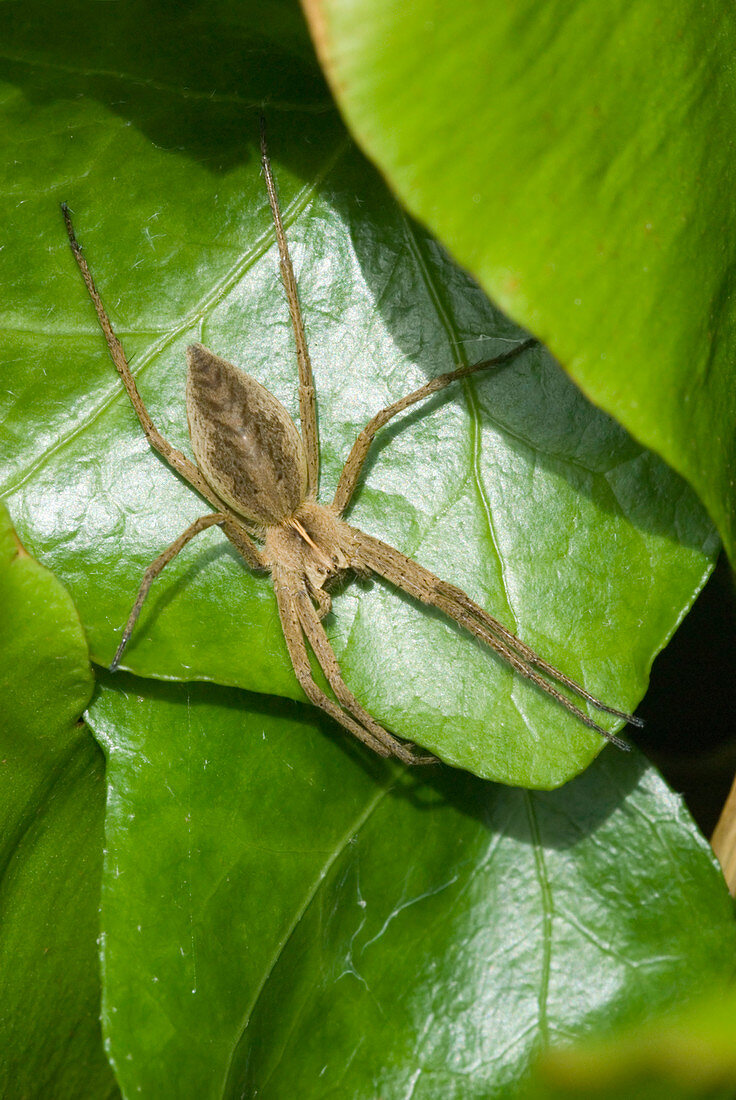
[
  {"x": 52, "y": 800},
  {"x": 514, "y": 487},
  {"x": 285, "y": 915},
  {"x": 587, "y": 188}
]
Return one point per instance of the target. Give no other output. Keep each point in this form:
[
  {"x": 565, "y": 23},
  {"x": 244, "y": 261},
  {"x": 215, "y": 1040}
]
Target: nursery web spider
[{"x": 261, "y": 475}]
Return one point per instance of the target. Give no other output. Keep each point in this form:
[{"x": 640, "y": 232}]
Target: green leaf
[
  {"x": 588, "y": 188},
  {"x": 286, "y": 915},
  {"x": 686, "y": 1054},
  {"x": 514, "y": 486},
  {"x": 52, "y": 799}
]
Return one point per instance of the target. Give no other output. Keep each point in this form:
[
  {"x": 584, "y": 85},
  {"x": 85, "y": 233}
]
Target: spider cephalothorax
[{"x": 261, "y": 474}]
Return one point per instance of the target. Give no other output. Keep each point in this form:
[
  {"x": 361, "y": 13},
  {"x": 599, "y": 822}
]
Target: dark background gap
[{"x": 689, "y": 709}]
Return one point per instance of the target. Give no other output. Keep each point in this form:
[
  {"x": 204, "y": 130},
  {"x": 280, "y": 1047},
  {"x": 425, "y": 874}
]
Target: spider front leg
[
  {"x": 356, "y": 458},
  {"x": 175, "y": 458},
  {"x": 307, "y": 398}
]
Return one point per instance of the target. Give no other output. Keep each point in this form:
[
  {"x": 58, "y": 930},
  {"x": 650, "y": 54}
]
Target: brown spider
[{"x": 262, "y": 477}]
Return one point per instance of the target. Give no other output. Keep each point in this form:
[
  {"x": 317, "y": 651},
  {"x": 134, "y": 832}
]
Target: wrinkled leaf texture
[{"x": 514, "y": 486}]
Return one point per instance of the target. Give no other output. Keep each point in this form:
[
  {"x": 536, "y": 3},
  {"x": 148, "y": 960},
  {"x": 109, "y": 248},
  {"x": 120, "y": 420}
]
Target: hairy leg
[
  {"x": 307, "y": 400},
  {"x": 155, "y": 568},
  {"x": 413, "y": 578},
  {"x": 488, "y": 623},
  {"x": 175, "y": 458},
  {"x": 294, "y": 637},
  {"x": 318, "y": 640},
  {"x": 356, "y": 458},
  {"x": 242, "y": 542},
  {"x": 322, "y": 599}
]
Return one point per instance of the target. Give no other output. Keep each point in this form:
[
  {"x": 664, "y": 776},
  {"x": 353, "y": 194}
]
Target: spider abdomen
[{"x": 245, "y": 443}]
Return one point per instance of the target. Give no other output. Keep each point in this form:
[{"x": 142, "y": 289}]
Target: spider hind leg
[
  {"x": 418, "y": 582},
  {"x": 315, "y": 634},
  {"x": 290, "y": 596}
]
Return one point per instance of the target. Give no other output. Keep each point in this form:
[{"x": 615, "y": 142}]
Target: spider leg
[
  {"x": 530, "y": 657},
  {"x": 307, "y": 400},
  {"x": 356, "y": 458},
  {"x": 294, "y": 637},
  {"x": 155, "y": 568},
  {"x": 318, "y": 640},
  {"x": 323, "y": 599},
  {"x": 413, "y": 578},
  {"x": 242, "y": 542},
  {"x": 175, "y": 458}
]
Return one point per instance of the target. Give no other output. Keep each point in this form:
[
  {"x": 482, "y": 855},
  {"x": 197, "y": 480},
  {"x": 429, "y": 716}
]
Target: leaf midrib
[
  {"x": 347, "y": 837},
  {"x": 459, "y": 357}
]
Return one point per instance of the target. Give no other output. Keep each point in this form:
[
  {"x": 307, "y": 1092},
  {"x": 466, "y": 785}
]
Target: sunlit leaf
[
  {"x": 514, "y": 487},
  {"x": 577, "y": 158}
]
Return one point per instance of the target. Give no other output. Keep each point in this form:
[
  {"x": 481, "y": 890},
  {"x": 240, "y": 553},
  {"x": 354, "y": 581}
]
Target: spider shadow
[{"x": 563, "y": 817}]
